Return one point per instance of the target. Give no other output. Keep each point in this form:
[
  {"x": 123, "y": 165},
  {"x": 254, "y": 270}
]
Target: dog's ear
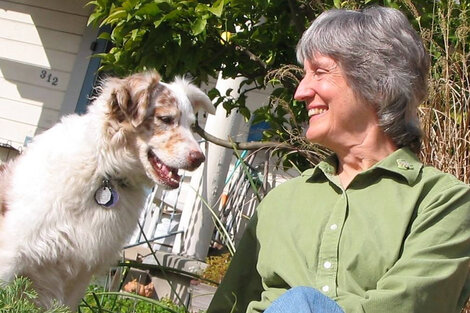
[
  {"x": 199, "y": 100},
  {"x": 132, "y": 96}
]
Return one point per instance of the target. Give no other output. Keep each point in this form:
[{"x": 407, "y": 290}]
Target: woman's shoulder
[
  {"x": 431, "y": 176},
  {"x": 440, "y": 189}
]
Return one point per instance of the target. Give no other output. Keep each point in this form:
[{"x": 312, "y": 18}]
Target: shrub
[
  {"x": 216, "y": 267},
  {"x": 19, "y": 297}
]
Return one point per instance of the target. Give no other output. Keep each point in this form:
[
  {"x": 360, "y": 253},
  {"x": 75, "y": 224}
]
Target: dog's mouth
[{"x": 166, "y": 174}]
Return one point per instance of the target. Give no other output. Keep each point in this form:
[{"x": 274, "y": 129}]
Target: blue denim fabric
[{"x": 303, "y": 300}]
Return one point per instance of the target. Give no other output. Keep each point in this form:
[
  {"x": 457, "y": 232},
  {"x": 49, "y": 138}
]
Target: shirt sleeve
[
  {"x": 432, "y": 274},
  {"x": 242, "y": 282}
]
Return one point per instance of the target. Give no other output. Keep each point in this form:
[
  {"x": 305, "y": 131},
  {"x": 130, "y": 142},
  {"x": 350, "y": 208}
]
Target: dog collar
[{"x": 106, "y": 195}]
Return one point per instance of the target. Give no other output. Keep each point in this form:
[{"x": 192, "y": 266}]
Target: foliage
[
  {"x": 99, "y": 301},
  {"x": 445, "y": 116},
  {"x": 19, "y": 297},
  {"x": 216, "y": 267},
  {"x": 257, "y": 39}
]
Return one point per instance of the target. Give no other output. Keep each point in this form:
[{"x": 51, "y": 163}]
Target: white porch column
[{"x": 209, "y": 180}]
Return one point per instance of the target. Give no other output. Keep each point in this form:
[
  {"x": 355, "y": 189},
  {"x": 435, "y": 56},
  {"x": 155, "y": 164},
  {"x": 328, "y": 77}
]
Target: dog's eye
[{"x": 166, "y": 119}]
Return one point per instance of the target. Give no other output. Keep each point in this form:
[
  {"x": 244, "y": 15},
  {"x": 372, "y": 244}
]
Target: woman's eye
[{"x": 166, "y": 119}]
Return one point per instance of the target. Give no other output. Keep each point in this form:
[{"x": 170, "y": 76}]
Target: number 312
[{"x": 53, "y": 80}]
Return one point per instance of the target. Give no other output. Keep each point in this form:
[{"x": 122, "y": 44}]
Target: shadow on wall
[{"x": 40, "y": 44}]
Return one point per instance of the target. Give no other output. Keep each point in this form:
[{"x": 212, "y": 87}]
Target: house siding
[{"x": 42, "y": 44}]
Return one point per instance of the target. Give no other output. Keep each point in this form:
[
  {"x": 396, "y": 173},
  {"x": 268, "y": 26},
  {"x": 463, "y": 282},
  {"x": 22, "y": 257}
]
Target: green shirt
[{"x": 396, "y": 240}]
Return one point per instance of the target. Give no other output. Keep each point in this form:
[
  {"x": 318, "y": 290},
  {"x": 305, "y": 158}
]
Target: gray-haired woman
[{"x": 370, "y": 229}]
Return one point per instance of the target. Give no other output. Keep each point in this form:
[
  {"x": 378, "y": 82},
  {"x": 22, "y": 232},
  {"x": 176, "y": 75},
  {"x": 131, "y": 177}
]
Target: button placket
[{"x": 328, "y": 254}]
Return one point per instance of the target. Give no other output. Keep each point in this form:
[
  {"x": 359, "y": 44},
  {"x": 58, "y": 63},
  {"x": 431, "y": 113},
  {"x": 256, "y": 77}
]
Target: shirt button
[
  {"x": 325, "y": 288},
  {"x": 327, "y": 265},
  {"x": 333, "y": 227}
]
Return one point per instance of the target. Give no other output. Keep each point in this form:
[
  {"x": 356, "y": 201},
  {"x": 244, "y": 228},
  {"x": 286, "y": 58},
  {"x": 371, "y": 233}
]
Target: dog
[{"x": 70, "y": 201}]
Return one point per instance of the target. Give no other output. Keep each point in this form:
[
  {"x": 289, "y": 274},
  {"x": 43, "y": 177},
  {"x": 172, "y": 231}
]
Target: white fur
[{"x": 53, "y": 231}]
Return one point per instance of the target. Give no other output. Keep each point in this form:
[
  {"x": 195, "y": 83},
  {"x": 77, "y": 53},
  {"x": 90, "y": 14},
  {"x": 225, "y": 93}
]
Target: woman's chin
[
  {"x": 316, "y": 131},
  {"x": 314, "y": 138}
]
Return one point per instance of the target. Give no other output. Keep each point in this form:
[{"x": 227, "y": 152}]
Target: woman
[{"x": 370, "y": 229}]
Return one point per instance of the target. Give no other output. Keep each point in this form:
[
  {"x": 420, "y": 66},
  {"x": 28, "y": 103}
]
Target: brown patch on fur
[
  {"x": 166, "y": 98},
  {"x": 140, "y": 87},
  {"x": 131, "y": 97},
  {"x": 129, "y": 101},
  {"x": 166, "y": 105},
  {"x": 174, "y": 140}
]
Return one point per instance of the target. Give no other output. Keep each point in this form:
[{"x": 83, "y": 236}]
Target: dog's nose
[{"x": 195, "y": 158}]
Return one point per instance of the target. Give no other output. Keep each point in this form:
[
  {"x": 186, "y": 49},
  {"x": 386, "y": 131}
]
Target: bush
[
  {"x": 216, "y": 267},
  {"x": 19, "y": 297}
]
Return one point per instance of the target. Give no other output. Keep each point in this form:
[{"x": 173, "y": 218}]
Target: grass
[
  {"x": 445, "y": 116},
  {"x": 97, "y": 300},
  {"x": 19, "y": 297}
]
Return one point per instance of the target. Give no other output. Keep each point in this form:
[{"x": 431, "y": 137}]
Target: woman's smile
[{"x": 314, "y": 111}]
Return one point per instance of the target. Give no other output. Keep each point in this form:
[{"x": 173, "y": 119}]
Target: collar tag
[{"x": 106, "y": 195}]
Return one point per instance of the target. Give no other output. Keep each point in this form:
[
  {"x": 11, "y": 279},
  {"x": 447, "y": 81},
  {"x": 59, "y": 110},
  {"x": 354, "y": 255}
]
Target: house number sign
[{"x": 49, "y": 77}]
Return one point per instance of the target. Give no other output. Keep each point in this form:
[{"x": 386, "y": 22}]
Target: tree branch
[
  {"x": 252, "y": 56},
  {"x": 255, "y": 145}
]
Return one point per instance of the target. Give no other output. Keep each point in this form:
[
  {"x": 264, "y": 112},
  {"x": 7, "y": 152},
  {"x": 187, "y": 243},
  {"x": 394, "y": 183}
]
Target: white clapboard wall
[{"x": 44, "y": 53}]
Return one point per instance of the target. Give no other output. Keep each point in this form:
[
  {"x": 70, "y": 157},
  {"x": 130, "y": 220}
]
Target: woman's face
[{"x": 337, "y": 118}]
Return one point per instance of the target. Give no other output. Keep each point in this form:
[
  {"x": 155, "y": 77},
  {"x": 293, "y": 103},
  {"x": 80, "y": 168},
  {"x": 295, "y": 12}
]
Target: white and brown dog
[{"x": 69, "y": 202}]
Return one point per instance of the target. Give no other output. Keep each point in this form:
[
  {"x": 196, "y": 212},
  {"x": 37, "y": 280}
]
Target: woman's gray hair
[{"x": 384, "y": 61}]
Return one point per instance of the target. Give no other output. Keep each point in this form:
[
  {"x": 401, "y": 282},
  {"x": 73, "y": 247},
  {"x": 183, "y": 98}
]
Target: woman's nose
[{"x": 304, "y": 91}]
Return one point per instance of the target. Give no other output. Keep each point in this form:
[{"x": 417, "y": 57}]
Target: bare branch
[
  {"x": 255, "y": 145},
  {"x": 252, "y": 56}
]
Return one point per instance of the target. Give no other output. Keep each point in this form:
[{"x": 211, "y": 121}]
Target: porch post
[{"x": 208, "y": 181}]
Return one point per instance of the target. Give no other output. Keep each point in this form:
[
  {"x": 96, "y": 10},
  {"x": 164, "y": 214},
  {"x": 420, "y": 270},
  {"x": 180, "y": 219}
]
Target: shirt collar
[
  {"x": 402, "y": 162},
  {"x": 326, "y": 168}
]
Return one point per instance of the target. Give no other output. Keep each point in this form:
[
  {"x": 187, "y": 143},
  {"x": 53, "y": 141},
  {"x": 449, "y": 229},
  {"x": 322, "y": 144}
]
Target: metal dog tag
[{"x": 106, "y": 196}]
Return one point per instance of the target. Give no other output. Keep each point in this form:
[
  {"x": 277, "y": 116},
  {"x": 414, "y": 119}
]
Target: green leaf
[
  {"x": 217, "y": 8},
  {"x": 245, "y": 112},
  {"x": 95, "y": 3},
  {"x": 105, "y": 36},
  {"x": 128, "y": 5},
  {"x": 337, "y": 4},
  {"x": 134, "y": 34},
  {"x": 102, "y": 3},
  {"x": 159, "y": 21},
  {"x": 151, "y": 9},
  {"x": 228, "y": 92},
  {"x": 94, "y": 17},
  {"x": 173, "y": 15},
  {"x": 115, "y": 16},
  {"x": 199, "y": 26}
]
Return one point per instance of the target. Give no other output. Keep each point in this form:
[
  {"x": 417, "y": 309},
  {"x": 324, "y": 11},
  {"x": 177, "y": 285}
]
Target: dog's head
[{"x": 159, "y": 117}]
